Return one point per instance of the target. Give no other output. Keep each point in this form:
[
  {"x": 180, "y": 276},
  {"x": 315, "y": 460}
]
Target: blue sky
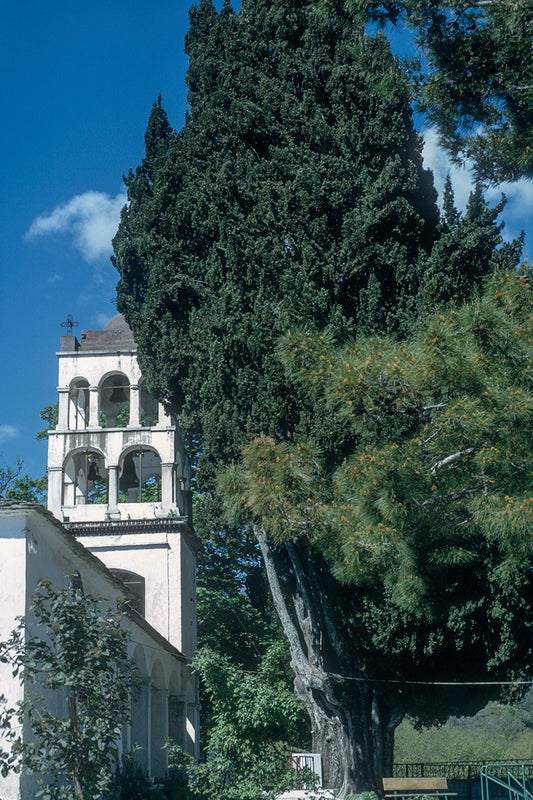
[{"x": 79, "y": 82}]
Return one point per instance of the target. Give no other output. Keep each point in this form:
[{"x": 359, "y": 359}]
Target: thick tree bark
[{"x": 352, "y": 723}]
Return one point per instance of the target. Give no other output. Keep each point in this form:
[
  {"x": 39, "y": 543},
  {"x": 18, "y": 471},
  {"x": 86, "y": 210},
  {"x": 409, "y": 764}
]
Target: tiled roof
[{"x": 116, "y": 335}]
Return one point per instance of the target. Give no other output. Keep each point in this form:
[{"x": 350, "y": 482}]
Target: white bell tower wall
[{"x": 118, "y": 478}]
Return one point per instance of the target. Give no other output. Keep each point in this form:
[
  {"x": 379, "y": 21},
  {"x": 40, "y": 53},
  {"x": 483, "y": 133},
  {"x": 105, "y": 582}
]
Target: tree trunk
[
  {"x": 352, "y": 722},
  {"x": 353, "y": 734},
  {"x": 73, "y": 716}
]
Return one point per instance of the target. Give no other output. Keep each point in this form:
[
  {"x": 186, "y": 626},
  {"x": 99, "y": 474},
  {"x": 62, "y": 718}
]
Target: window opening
[
  {"x": 149, "y": 407},
  {"x": 85, "y": 479},
  {"x": 140, "y": 477},
  {"x": 136, "y": 585},
  {"x": 79, "y": 404},
  {"x": 115, "y": 402}
]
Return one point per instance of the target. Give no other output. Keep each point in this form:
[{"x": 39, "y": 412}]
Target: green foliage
[
  {"x": 474, "y": 78},
  {"x": 8, "y": 476},
  {"x": 122, "y": 420},
  {"x": 434, "y": 506},
  {"x": 130, "y": 783},
  {"x": 476, "y": 81},
  {"x": 236, "y": 619},
  {"x": 16, "y": 486},
  {"x": 29, "y": 489},
  {"x": 151, "y": 490},
  {"x": 228, "y": 623},
  {"x": 294, "y": 198},
  {"x": 294, "y": 195},
  {"x": 8, "y": 758},
  {"x": 443, "y": 423},
  {"x": 284, "y": 192},
  {"x": 363, "y": 796},
  {"x": 123, "y": 417},
  {"x": 256, "y": 718},
  {"x": 496, "y": 733},
  {"x": 83, "y": 658},
  {"x": 49, "y": 414}
]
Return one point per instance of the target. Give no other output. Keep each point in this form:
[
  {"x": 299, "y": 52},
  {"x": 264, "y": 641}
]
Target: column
[
  {"x": 55, "y": 490},
  {"x": 140, "y": 726},
  {"x": 112, "y": 498},
  {"x": 94, "y": 407},
  {"x": 192, "y": 724},
  {"x": 62, "y": 412},
  {"x": 163, "y": 419},
  {"x": 158, "y": 731},
  {"x": 167, "y": 487},
  {"x": 176, "y": 720},
  {"x": 135, "y": 407}
]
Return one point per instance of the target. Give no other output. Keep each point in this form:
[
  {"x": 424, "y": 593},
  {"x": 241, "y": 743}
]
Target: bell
[
  {"x": 118, "y": 395},
  {"x": 128, "y": 477},
  {"x": 93, "y": 473}
]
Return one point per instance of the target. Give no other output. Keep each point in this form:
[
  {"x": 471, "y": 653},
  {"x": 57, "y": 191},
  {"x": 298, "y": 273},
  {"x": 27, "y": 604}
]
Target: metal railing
[
  {"x": 510, "y": 781},
  {"x": 452, "y": 770},
  {"x": 464, "y": 777}
]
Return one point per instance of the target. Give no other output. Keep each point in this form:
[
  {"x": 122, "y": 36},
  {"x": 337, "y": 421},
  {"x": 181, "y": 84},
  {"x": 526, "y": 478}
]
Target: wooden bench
[{"x": 416, "y": 787}]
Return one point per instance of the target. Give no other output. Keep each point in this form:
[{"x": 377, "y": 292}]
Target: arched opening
[
  {"x": 158, "y": 719},
  {"x": 149, "y": 407},
  {"x": 136, "y": 585},
  {"x": 115, "y": 401},
  {"x": 140, "y": 713},
  {"x": 78, "y": 406},
  {"x": 176, "y": 711},
  {"x": 140, "y": 477},
  {"x": 85, "y": 479}
]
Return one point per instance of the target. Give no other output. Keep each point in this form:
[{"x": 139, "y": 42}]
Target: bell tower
[{"x": 118, "y": 478}]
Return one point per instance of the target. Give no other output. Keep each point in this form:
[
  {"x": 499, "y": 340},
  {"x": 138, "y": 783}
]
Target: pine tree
[
  {"x": 426, "y": 525},
  {"x": 293, "y": 196}
]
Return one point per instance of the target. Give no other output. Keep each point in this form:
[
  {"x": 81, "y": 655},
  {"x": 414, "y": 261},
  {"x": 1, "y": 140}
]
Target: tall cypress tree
[
  {"x": 293, "y": 195},
  {"x": 294, "y": 192}
]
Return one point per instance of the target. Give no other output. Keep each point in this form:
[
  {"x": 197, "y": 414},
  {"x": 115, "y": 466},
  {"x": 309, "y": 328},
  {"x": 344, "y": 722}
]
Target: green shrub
[
  {"x": 363, "y": 796},
  {"x": 131, "y": 783}
]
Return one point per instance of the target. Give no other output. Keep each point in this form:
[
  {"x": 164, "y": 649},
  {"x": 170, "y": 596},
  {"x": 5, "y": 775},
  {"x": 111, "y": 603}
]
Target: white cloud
[
  {"x": 91, "y": 219},
  {"x": 516, "y": 214},
  {"x": 437, "y": 160},
  {"x": 8, "y": 432},
  {"x": 520, "y": 193}
]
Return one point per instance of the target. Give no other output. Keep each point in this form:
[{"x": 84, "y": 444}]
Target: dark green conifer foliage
[
  {"x": 295, "y": 192},
  {"x": 294, "y": 195},
  {"x": 467, "y": 249}
]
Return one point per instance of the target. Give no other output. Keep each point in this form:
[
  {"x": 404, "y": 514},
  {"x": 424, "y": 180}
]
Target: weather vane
[{"x": 69, "y": 324}]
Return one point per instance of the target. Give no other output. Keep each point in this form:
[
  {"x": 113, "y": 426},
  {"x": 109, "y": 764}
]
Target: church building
[{"x": 119, "y": 515}]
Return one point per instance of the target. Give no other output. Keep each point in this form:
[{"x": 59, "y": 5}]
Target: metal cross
[{"x": 69, "y": 324}]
